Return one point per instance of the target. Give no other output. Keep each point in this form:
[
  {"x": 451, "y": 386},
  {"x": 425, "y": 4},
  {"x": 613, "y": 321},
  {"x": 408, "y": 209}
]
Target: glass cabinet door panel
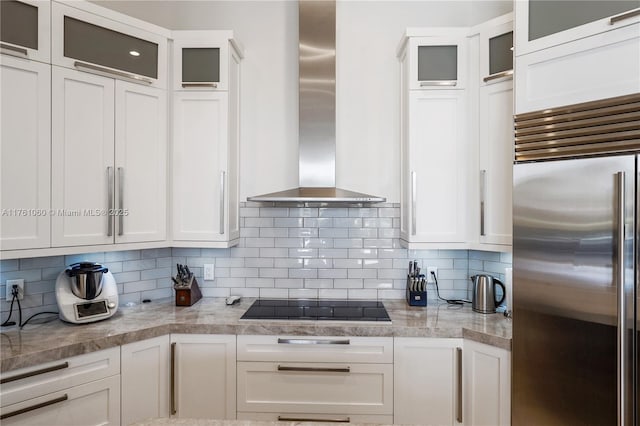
[
  {"x": 99, "y": 45},
  {"x": 19, "y": 23},
  {"x": 501, "y": 53},
  {"x": 437, "y": 63},
  {"x": 201, "y": 65},
  {"x": 549, "y": 17}
]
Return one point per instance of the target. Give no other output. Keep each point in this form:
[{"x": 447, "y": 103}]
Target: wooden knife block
[{"x": 188, "y": 294}]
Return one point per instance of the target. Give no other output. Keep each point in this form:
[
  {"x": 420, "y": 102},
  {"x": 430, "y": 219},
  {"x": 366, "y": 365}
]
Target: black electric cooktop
[{"x": 317, "y": 310}]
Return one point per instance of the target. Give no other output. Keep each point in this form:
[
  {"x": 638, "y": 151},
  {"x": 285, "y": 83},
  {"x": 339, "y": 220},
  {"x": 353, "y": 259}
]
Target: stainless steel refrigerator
[{"x": 576, "y": 265}]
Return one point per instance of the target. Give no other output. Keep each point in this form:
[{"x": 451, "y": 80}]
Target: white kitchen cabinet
[
  {"x": 205, "y": 164},
  {"x": 108, "y": 160},
  {"x": 201, "y": 59},
  {"x": 592, "y": 56},
  {"x": 25, "y": 153},
  {"x": 203, "y": 381},
  {"x": 487, "y": 385},
  {"x": 435, "y": 156},
  {"x": 495, "y": 130},
  {"x": 26, "y": 29},
  {"x": 140, "y": 163},
  {"x": 145, "y": 379},
  {"x": 311, "y": 377},
  {"x": 81, "y": 390},
  {"x": 427, "y": 381},
  {"x": 137, "y": 50}
]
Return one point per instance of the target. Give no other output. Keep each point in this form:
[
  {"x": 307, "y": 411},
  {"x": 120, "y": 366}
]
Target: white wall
[{"x": 367, "y": 80}]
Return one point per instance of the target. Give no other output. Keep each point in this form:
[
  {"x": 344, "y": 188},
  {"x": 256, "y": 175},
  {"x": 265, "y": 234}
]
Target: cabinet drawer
[
  {"x": 332, "y": 388},
  {"x": 315, "y": 349},
  {"x": 94, "y": 403},
  {"x": 26, "y": 383},
  {"x": 333, "y": 418}
]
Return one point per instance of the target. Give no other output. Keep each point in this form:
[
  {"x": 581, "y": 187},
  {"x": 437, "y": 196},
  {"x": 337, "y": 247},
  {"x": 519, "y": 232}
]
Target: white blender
[{"x": 86, "y": 292}]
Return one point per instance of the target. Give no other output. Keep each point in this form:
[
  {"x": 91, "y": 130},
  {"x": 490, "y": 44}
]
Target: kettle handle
[{"x": 504, "y": 291}]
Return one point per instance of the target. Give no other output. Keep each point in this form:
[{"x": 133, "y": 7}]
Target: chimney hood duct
[{"x": 317, "y": 112}]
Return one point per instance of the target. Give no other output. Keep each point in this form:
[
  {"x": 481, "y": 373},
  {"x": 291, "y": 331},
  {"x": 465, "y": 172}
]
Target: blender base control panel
[{"x": 91, "y": 309}]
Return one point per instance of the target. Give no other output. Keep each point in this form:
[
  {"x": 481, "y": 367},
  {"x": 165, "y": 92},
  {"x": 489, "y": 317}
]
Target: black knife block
[
  {"x": 415, "y": 298},
  {"x": 187, "y": 293}
]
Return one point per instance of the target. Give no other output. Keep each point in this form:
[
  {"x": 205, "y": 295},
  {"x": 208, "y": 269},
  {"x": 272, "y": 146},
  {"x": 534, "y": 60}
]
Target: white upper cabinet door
[
  {"x": 496, "y": 162},
  {"x": 82, "y": 172},
  {"x": 201, "y": 60},
  {"x": 78, "y": 39},
  {"x": 437, "y": 167},
  {"x": 200, "y": 184},
  {"x": 437, "y": 62},
  {"x": 232, "y": 183},
  {"x": 140, "y": 163},
  {"x": 25, "y": 29},
  {"x": 542, "y": 23},
  {"x": 25, "y": 154},
  {"x": 496, "y": 51}
]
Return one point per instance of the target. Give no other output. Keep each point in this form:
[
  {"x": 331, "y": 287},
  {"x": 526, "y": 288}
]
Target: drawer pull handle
[
  {"x": 34, "y": 407},
  {"x": 212, "y": 85},
  {"x": 427, "y": 83},
  {"x": 172, "y": 379},
  {"x": 14, "y": 51},
  {"x": 508, "y": 73},
  {"x": 315, "y": 369},
  {"x": 34, "y": 373},
  {"x": 314, "y": 342},
  {"x": 108, "y": 72},
  {"x": 627, "y": 15},
  {"x": 305, "y": 419}
]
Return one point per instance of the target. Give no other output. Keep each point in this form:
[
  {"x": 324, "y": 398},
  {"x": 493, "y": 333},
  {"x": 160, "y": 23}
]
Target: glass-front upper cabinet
[
  {"x": 546, "y": 23},
  {"x": 98, "y": 45},
  {"x": 24, "y": 29},
  {"x": 201, "y": 60},
  {"x": 436, "y": 62},
  {"x": 496, "y": 50}
]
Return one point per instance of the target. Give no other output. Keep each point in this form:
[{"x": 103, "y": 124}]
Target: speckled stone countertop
[{"x": 53, "y": 340}]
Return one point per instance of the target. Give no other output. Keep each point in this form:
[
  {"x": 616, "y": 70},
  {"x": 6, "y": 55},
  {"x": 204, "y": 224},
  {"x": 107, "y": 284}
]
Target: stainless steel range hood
[{"x": 317, "y": 112}]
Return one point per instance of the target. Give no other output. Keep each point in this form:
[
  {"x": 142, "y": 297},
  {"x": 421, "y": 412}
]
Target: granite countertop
[{"x": 44, "y": 342}]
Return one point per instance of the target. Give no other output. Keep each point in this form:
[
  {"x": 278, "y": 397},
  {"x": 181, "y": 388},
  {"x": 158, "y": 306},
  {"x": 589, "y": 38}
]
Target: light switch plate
[{"x": 209, "y": 271}]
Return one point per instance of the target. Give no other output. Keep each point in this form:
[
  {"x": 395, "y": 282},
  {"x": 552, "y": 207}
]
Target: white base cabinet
[
  {"x": 487, "y": 385},
  {"x": 82, "y": 390},
  {"x": 427, "y": 381},
  {"x": 204, "y": 376},
  {"x": 145, "y": 379}
]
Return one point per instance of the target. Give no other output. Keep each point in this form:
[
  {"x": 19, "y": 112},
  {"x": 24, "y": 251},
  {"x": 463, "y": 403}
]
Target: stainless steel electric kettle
[{"x": 483, "y": 298}]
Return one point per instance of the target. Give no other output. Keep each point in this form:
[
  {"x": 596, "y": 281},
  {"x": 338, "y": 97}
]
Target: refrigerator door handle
[{"x": 621, "y": 297}]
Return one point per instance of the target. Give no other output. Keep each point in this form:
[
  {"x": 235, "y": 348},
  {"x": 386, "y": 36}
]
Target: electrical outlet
[
  {"x": 209, "y": 269},
  {"x": 10, "y": 284},
  {"x": 430, "y": 269}
]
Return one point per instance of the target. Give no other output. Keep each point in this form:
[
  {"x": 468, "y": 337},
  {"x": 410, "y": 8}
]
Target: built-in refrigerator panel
[{"x": 565, "y": 327}]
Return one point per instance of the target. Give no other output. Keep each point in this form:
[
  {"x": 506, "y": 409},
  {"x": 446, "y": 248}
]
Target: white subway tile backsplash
[{"x": 297, "y": 251}]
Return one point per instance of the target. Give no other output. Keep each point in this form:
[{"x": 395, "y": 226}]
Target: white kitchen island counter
[{"x": 53, "y": 340}]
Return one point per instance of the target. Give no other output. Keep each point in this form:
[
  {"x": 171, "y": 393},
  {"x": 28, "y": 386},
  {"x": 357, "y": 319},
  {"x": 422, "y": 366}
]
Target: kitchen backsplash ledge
[{"x": 284, "y": 252}]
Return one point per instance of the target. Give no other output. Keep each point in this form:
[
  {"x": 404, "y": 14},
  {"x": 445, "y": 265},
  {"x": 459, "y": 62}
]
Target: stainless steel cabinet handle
[
  {"x": 630, "y": 14},
  {"x": 309, "y": 419},
  {"x": 222, "y": 201},
  {"x": 34, "y": 407},
  {"x": 508, "y": 73},
  {"x": 316, "y": 369},
  {"x": 96, "y": 69},
  {"x": 35, "y": 373},
  {"x": 427, "y": 83},
  {"x": 413, "y": 203},
  {"x": 459, "y": 406},
  {"x": 621, "y": 297},
  {"x": 14, "y": 50},
  {"x": 314, "y": 341},
  {"x": 120, "y": 200},
  {"x": 483, "y": 195},
  {"x": 172, "y": 379},
  {"x": 109, "y": 201},
  {"x": 212, "y": 85}
]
